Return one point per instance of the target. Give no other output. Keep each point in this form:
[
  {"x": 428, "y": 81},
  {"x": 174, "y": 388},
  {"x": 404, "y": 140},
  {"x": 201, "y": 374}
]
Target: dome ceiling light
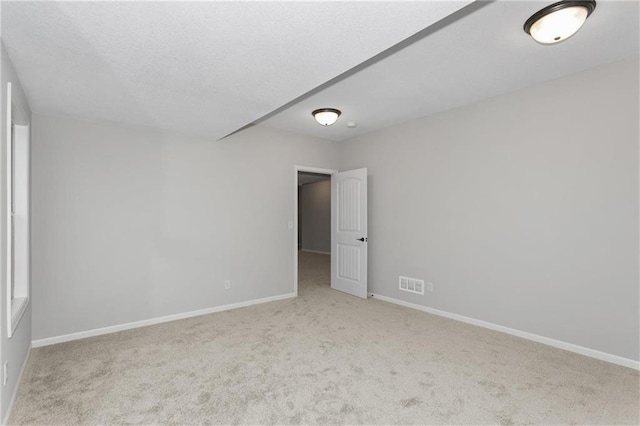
[
  {"x": 326, "y": 116},
  {"x": 558, "y": 21}
]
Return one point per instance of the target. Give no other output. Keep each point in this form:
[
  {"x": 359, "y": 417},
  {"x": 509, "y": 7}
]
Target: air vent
[{"x": 412, "y": 285}]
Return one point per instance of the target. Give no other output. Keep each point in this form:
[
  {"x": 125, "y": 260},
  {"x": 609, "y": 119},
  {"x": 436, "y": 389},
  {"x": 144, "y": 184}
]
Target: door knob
[{"x": 363, "y": 239}]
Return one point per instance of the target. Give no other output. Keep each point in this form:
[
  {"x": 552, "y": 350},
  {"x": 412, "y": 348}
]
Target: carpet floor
[{"x": 321, "y": 358}]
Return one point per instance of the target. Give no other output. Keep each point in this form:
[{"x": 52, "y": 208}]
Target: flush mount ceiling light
[
  {"x": 558, "y": 21},
  {"x": 326, "y": 116}
]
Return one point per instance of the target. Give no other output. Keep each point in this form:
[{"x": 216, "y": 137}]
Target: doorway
[
  {"x": 347, "y": 253},
  {"x": 313, "y": 229}
]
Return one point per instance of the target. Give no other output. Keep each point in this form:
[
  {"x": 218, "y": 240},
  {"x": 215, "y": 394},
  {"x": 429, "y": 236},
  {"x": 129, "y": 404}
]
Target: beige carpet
[{"x": 321, "y": 358}]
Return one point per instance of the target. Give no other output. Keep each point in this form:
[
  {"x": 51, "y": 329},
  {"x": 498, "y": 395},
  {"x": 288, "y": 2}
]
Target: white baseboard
[
  {"x": 603, "y": 356},
  {"x": 15, "y": 390},
  {"x": 128, "y": 326},
  {"x": 316, "y": 251}
]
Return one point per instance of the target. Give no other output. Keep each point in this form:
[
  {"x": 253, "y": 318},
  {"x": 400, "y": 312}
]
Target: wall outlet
[
  {"x": 429, "y": 286},
  {"x": 227, "y": 284},
  {"x": 5, "y": 374}
]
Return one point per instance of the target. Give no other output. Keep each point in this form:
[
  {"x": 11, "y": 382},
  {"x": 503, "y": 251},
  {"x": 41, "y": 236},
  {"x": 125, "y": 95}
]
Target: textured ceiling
[
  {"x": 481, "y": 52},
  {"x": 202, "y": 68}
]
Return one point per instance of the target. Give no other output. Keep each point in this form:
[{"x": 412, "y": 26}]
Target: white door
[{"x": 349, "y": 232}]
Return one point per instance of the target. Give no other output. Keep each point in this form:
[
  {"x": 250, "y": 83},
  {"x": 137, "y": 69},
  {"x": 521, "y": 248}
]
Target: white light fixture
[
  {"x": 558, "y": 21},
  {"x": 326, "y": 116}
]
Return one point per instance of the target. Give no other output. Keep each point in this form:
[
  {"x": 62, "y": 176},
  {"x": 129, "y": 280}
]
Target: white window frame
[{"x": 17, "y": 213}]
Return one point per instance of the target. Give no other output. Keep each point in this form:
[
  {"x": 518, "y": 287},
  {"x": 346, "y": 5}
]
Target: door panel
[
  {"x": 348, "y": 262},
  {"x": 349, "y": 232}
]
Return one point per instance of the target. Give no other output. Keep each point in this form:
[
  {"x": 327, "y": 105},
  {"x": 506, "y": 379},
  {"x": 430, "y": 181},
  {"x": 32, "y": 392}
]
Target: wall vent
[{"x": 412, "y": 285}]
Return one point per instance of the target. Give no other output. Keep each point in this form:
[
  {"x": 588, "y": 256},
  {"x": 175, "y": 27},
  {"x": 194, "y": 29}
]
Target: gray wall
[
  {"x": 521, "y": 209},
  {"x": 131, "y": 224},
  {"x": 315, "y": 216},
  {"x": 13, "y": 350}
]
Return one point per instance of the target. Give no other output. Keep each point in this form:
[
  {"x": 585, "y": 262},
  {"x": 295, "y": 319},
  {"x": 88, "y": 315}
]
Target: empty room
[{"x": 320, "y": 212}]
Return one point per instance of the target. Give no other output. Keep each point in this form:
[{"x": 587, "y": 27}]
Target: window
[
  {"x": 17, "y": 213},
  {"x": 12, "y": 209}
]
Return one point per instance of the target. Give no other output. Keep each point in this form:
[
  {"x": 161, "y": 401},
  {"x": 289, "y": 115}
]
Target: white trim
[
  {"x": 8, "y": 212},
  {"x": 128, "y": 326},
  {"x": 18, "y": 307},
  {"x": 297, "y": 169},
  {"x": 592, "y": 353},
  {"x": 17, "y": 196},
  {"x": 15, "y": 389},
  {"x": 316, "y": 251}
]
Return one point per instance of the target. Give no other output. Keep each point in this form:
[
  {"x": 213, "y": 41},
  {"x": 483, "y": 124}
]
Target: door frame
[{"x": 297, "y": 169}]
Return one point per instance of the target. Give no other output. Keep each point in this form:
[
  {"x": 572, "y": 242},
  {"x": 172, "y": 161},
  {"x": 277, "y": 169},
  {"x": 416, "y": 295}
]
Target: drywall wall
[
  {"x": 13, "y": 350},
  {"x": 130, "y": 224},
  {"x": 522, "y": 209},
  {"x": 315, "y": 216}
]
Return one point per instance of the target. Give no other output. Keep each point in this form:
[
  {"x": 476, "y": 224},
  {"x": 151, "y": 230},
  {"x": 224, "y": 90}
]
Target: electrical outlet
[
  {"x": 429, "y": 286},
  {"x": 5, "y": 373},
  {"x": 227, "y": 284}
]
